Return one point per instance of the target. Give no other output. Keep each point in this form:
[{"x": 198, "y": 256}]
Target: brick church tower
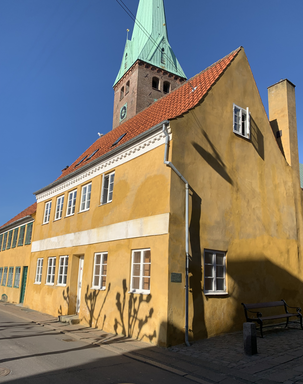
[{"x": 149, "y": 68}]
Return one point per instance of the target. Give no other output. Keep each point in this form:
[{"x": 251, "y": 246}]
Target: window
[
  {"x": 108, "y": 187},
  {"x": 51, "y": 270},
  {"x": 10, "y": 276},
  {"x": 29, "y": 231},
  {"x": 71, "y": 203},
  {"x": 241, "y": 121},
  {"x": 62, "y": 274},
  {"x": 47, "y": 212},
  {"x": 162, "y": 56},
  {"x": 17, "y": 277},
  {"x": 166, "y": 87},
  {"x": 85, "y": 197},
  {"x": 1, "y": 237},
  {"x": 122, "y": 93},
  {"x": 16, "y": 231},
  {"x": 21, "y": 236},
  {"x": 9, "y": 240},
  {"x": 125, "y": 61},
  {"x": 140, "y": 275},
  {"x": 83, "y": 158},
  {"x": 39, "y": 271},
  {"x": 100, "y": 271},
  {"x": 4, "y": 241},
  {"x": 127, "y": 87},
  {"x": 155, "y": 83},
  {"x": 4, "y": 276},
  {"x": 214, "y": 272},
  {"x": 59, "y": 207},
  {"x": 1, "y": 274},
  {"x": 118, "y": 140}
]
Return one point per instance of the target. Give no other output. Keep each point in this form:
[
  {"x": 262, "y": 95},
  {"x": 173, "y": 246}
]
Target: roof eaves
[
  {"x": 24, "y": 220},
  {"x": 114, "y": 151}
]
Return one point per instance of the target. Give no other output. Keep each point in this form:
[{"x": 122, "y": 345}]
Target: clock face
[{"x": 123, "y": 111}]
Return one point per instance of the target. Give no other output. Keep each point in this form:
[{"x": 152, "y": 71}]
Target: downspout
[{"x": 169, "y": 164}]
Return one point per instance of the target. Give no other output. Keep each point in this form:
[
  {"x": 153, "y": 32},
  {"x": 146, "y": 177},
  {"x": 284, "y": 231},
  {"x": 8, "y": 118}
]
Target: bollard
[{"x": 250, "y": 338}]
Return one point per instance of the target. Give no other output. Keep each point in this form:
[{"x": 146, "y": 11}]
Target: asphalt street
[{"x": 34, "y": 354}]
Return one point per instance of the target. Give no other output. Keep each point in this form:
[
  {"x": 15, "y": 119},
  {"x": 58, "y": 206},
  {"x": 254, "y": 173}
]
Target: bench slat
[{"x": 265, "y": 305}]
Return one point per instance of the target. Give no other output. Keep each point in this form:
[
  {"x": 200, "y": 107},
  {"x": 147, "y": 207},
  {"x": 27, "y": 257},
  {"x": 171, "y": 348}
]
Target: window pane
[
  {"x": 97, "y": 270},
  {"x": 208, "y": 258},
  {"x": 219, "y": 271},
  {"x": 208, "y": 284},
  {"x": 104, "y": 259},
  {"x": 220, "y": 284},
  {"x": 103, "y": 283},
  {"x": 220, "y": 260},
  {"x": 146, "y": 281},
  {"x": 136, "y": 270},
  {"x": 208, "y": 270},
  {"x": 136, "y": 282},
  {"x": 147, "y": 256},
  {"x": 98, "y": 259},
  {"x": 137, "y": 257},
  {"x": 146, "y": 270}
]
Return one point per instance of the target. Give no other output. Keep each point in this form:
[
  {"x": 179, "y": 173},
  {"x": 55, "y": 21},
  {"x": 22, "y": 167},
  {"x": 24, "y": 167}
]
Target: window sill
[
  {"x": 98, "y": 289},
  {"x": 240, "y": 134},
  {"x": 57, "y": 219},
  {"x": 139, "y": 292},
  {"x": 52, "y": 284},
  {"x": 61, "y": 285},
  {"x": 37, "y": 283},
  {"x": 84, "y": 210},
  {"x": 101, "y": 204},
  {"x": 72, "y": 214},
  {"x": 216, "y": 293}
]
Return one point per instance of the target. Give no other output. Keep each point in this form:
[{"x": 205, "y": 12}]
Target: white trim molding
[
  {"x": 146, "y": 226},
  {"x": 105, "y": 166}
]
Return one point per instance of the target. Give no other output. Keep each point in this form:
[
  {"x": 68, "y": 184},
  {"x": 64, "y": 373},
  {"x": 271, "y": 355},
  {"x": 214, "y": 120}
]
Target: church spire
[{"x": 149, "y": 42}]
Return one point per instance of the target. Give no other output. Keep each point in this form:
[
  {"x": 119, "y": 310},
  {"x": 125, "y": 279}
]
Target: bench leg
[
  {"x": 261, "y": 330},
  {"x": 301, "y": 321},
  {"x": 287, "y": 322}
]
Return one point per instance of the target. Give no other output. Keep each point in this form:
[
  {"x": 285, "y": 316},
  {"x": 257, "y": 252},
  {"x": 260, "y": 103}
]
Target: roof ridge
[{"x": 26, "y": 212}]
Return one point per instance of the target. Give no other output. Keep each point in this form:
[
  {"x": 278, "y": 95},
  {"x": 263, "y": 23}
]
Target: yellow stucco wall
[
  {"x": 15, "y": 257},
  {"x": 141, "y": 190},
  {"x": 245, "y": 200}
]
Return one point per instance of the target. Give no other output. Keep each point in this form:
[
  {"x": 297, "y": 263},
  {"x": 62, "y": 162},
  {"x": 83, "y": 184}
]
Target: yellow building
[
  {"x": 15, "y": 248},
  {"x": 187, "y": 208}
]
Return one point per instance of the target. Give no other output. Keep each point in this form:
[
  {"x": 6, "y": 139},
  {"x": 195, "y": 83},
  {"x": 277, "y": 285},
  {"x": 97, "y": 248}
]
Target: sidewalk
[{"x": 216, "y": 360}]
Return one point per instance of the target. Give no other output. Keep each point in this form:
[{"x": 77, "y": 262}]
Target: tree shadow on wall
[
  {"x": 66, "y": 298},
  {"x": 130, "y": 308},
  {"x": 91, "y": 301}
]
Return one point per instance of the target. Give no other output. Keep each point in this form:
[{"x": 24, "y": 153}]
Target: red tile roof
[
  {"x": 28, "y": 211},
  {"x": 174, "y": 104}
]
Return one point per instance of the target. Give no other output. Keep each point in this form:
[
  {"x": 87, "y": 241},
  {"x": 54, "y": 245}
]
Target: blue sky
[{"x": 59, "y": 59}]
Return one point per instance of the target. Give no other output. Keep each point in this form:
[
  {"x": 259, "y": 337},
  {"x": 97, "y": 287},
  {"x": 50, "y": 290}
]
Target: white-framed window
[
  {"x": 62, "y": 273},
  {"x": 214, "y": 272},
  {"x": 4, "y": 276},
  {"x": 100, "y": 271},
  {"x": 51, "y": 270},
  {"x": 71, "y": 203},
  {"x": 10, "y": 276},
  {"x": 140, "y": 272},
  {"x": 17, "y": 277},
  {"x": 59, "y": 207},
  {"x": 39, "y": 271},
  {"x": 47, "y": 211},
  {"x": 241, "y": 121},
  {"x": 85, "y": 197},
  {"x": 107, "y": 188},
  {"x": 1, "y": 274}
]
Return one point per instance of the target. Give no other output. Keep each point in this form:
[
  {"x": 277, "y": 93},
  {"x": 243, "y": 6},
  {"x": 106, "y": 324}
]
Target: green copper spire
[{"x": 149, "y": 41}]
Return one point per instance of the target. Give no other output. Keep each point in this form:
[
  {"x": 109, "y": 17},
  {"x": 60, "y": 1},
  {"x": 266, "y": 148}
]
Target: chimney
[{"x": 282, "y": 117}]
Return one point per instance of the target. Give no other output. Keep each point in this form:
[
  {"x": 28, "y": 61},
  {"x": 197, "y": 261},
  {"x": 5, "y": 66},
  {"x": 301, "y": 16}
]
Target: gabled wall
[{"x": 245, "y": 201}]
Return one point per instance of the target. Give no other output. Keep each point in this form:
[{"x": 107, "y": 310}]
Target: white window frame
[
  {"x": 4, "y": 279},
  {"x": 59, "y": 207},
  {"x": 214, "y": 277},
  {"x": 17, "y": 277},
  {"x": 47, "y": 211},
  {"x": 141, "y": 272},
  {"x": 107, "y": 192},
  {"x": 39, "y": 268},
  {"x": 100, "y": 271},
  {"x": 62, "y": 270},
  {"x": 10, "y": 277},
  {"x": 85, "y": 197},
  {"x": 51, "y": 271},
  {"x": 71, "y": 203},
  {"x": 241, "y": 121}
]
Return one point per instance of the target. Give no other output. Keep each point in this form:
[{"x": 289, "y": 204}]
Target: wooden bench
[{"x": 258, "y": 318}]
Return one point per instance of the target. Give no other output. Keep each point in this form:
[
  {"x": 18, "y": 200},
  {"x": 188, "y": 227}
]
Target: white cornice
[{"x": 136, "y": 150}]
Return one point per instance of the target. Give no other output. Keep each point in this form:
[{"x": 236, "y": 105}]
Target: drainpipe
[{"x": 169, "y": 164}]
